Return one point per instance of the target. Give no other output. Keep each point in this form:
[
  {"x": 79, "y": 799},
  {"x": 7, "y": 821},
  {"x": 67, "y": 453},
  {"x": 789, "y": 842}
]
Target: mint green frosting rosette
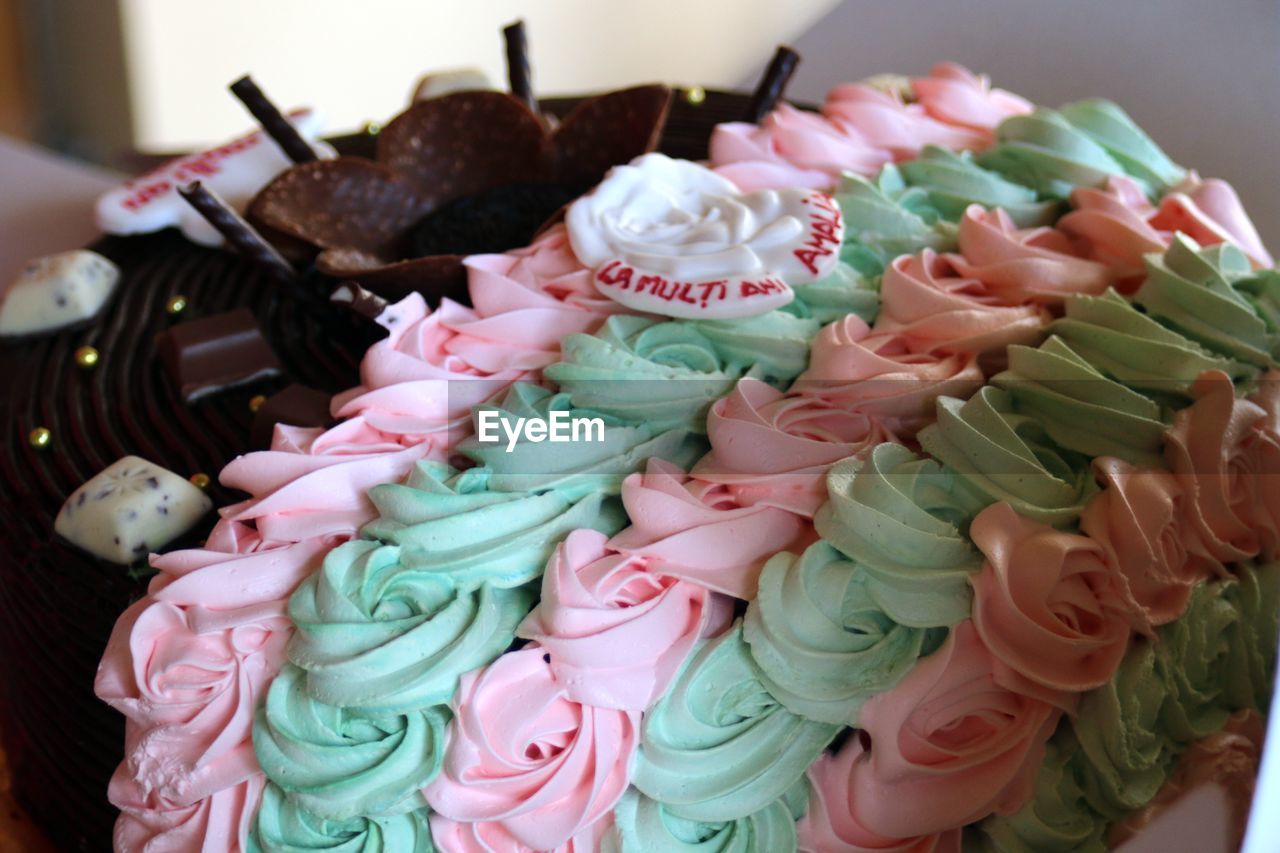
[
  {"x": 575, "y": 468},
  {"x": 339, "y": 764},
  {"x": 643, "y": 825},
  {"x": 640, "y": 370},
  {"x": 1257, "y": 597},
  {"x": 1057, "y": 818},
  {"x": 1000, "y": 455},
  {"x": 1126, "y": 751},
  {"x": 1130, "y": 146},
  {"x": 845, "y": 291},
  {"x": 1207, "y": 658},
  {"x": 378, "y": 636},
  {"x": 822, "y": 643},
  {"x": 885, "y": 219},
  {"x": 1135, "y": 350},
  {"x": 1193, "y": 291},
  {"x": 951, "y": 181},
  {"x": 718, "y": 747},
  {"x": 1045, "y": 151},
  {"x": 452, "y": 525},
  {"x": 901, "y": 520},
  {"x": 773, "y": 346},
  {"x": 1079, "y": 407},
  {"x": 282, "y": 826}
]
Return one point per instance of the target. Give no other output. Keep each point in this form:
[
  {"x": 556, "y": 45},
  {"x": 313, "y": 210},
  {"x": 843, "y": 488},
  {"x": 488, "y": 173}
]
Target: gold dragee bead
[
  {"x": 87, "y": 357},
  {"x": 200, "y": 480},
  {"x": 40, "y": 438},
  {"x": 176, "y": 304},
  {"x": 256, "y": 402},
  {"x": 695, "y": 95}
]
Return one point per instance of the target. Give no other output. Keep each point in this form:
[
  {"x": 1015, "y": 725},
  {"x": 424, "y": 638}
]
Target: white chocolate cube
[
  {"x": 131, "y": 508},
  {"x": 57, "y": 291}
]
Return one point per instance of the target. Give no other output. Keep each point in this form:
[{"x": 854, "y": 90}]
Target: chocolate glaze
[{"x": 58, "y": 604}]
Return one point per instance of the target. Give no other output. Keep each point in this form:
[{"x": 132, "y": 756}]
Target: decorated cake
[{"x": 890, "y": 476}]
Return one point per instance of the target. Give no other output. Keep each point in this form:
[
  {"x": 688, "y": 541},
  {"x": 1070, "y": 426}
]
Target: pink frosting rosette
[
  {"x": 1019, "y": 266},
  {"x": 1138, "y": 519},
  {"x": 188, "y": 664},
  {"x": 697, "y": 531},
  {"x": 217, "y": 824},
  {"x": 934, "y": 309},
  {"x": 792, "y": 148},
  {"x": 1209, "y": 212},
  {"x": 1048, "y": 604},
  {"x": 886, "y": 121},
  {"x": 775, "y": 449},
  {"x": 877, "y": 373},
  {"x": 451, "y": 836},
  {"x": 616, "y": 630},
  {"x": 831, "y": 825},
  {"x": 534, "y": 766},
  {"x": 1113, "y": 226},
  {"x": 950, "y": 744},
  {"x": 1207, "y": 448},
  {"x": 956, "y": 96}
]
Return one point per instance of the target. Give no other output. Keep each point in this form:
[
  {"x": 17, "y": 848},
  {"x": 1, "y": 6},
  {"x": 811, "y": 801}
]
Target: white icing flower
[{"x": 671, "y": 237}]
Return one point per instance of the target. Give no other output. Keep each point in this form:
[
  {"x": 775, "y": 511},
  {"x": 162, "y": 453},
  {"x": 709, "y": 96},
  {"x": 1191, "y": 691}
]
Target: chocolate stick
[
  {"x": 273, "y": 122},
  {"x": 359, "y": 300},
  {"x": 772, "y": 84},
  {"x": 518, "y": 73},
  {"x": 240, "y": 234}
]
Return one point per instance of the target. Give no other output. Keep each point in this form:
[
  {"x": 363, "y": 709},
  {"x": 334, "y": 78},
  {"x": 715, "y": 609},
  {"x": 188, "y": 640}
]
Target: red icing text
[{"x": 825, "y": 229}]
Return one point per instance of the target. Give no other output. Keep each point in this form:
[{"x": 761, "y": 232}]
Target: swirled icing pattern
[
  {"x": 822, "y": 643},
  {"x": 1079, "y": 407},
  {"x": 285, "y": 827},
  {"x": 453, "y": 526},
  {"x": 1001, "y": 455},
  {"x": 951, "y": 181},
  {"x": 576, "y": 468},
  {"x": 900, "y": 519},
  {"x": 718, "y": 746},
  {"x": 340, "y": 764},
  {"x": 383, "y": 637},
  {"x": 644, "y": 825},
  {"x": 642, "y": 370}
]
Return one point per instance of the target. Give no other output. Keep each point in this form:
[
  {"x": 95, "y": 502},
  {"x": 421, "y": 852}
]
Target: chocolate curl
[
  {"x": 361, "y": 301},
  {"x": 518, "y": 74},
  {"x": 273, "y": 121},
  {"x": 239, "y": 234},
  {"x": 775, "y": 80}
]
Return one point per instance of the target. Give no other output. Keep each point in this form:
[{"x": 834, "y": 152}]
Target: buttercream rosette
[{"x": 1004, "y": 611}]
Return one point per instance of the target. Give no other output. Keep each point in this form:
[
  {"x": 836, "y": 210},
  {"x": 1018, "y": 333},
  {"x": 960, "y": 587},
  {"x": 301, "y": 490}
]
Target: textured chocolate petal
[
  {"x": 609, "y": 130},
  {"x": 465, "y": 143},
  {"x": 434, "y": 277},
  {"x": 344, "y": 203}
]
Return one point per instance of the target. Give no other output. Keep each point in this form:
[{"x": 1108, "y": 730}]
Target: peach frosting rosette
[
  {"x": 831, "y": 825},
  {"x": 616, "y": 630},
  {"x": 1207, "y": 449},
  {"x": 1138, "y": 519},
  {"x": 1209, "y": 211},
  {"x": 699, "y": 532},
  {"x": 1262, "y": 445},
  {"x": 950, "y": 744},
  {"x": 775, "y": 449},
  {"x": 1021, "y": 266},
  {"x": 217, "y": 824},
  {"x": 935, "y": 309},
  {"x": 526, "y": 759},
  {"x": 1047, "y": 603},
  {"x": 877, "y": 373},
  {"x": 886, "y": 121}
]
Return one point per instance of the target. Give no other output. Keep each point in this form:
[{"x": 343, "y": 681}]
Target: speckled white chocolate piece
[
  {"x": 131, "y": 508},
  {"x": 449, "y": 81},
  {"x": 57, "y": 291}
]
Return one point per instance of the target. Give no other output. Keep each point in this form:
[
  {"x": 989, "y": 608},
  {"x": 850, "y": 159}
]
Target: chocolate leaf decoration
[
  {"x": 609, "y": 130},
  {"x": 344, "y": 203},
  {"x": 465, "y": 143},
  {"x": 434, "y": 277}
]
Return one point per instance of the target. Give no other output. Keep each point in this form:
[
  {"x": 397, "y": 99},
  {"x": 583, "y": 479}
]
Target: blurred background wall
[{"x": 100, "y": 78}]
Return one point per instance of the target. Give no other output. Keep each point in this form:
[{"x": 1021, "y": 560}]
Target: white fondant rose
[{"x": 671, "y": 237}]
